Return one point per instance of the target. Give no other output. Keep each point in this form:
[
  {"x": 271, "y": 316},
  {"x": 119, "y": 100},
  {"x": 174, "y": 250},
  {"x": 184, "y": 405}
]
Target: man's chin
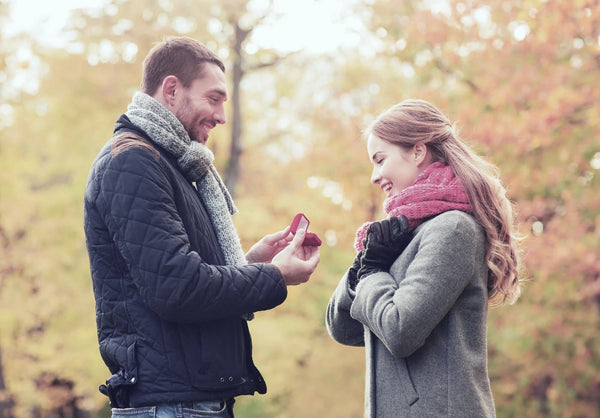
[{"x": 200, "y": 140}]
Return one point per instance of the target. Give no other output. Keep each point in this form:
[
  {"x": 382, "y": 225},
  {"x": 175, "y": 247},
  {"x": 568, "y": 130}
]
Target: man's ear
[{"x": 169, "y": 89}]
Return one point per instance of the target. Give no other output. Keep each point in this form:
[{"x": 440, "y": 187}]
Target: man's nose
[{"x": 219, "y": 115}]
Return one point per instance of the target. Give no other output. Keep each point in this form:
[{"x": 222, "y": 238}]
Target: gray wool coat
[{"x": 423, "y": 325}]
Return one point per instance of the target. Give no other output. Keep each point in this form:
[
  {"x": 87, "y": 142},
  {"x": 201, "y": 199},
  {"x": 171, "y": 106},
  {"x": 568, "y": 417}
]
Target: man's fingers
[
  {"x": 315, "y": 256},
  {"x": 298, "y": 238},
  {"x": 277, "y": 236}
]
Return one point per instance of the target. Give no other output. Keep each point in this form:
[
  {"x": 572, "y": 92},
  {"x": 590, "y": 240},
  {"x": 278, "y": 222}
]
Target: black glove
[
  {"x": 384, "y": 243},
  {"x": 353, "y": 270}
]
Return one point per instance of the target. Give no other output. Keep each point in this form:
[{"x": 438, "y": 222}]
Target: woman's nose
[{"x": 375, "y": 177}]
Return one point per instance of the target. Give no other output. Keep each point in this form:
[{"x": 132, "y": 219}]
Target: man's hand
[
  {"x": 269, "y": 246},
  {"x": 297, "y": 262}
]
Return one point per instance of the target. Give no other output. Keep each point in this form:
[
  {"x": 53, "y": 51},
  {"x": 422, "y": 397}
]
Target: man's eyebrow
[{"x": 220, "y": 92}]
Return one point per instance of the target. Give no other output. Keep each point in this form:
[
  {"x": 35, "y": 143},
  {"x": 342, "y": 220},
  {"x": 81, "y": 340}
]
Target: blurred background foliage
[{"x": 519, "y": 77}]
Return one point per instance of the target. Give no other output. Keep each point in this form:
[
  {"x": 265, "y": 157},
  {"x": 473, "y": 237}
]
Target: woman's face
[{"x": 394, "y": 168}]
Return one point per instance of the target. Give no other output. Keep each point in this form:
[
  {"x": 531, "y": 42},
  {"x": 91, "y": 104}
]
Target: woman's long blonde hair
[{"x": 416, "y": 121}]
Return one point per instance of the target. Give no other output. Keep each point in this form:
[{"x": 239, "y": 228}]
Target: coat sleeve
[
  {"x": 138, "y": 205},
  {"x": 403, "y": 311},
  {"x": 340, "y": 325}
]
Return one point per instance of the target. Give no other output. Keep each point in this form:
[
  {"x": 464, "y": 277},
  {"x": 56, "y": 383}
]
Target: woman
[{"x": 417, "y": 293}]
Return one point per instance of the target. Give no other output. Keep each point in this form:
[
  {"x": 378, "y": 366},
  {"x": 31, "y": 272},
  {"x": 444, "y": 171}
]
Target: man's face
[{"x": 200, "y": 107}]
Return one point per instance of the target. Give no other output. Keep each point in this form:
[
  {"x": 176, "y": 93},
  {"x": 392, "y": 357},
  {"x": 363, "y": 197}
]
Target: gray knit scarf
[{"x": 195, "y": 162}]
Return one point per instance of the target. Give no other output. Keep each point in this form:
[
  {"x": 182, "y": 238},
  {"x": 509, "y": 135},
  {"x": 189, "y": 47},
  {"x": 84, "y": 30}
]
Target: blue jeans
[{"x": 206, "y": 409}]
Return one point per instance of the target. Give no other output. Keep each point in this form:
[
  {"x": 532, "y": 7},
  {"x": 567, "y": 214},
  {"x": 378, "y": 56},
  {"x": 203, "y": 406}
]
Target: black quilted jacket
[{"x": 168, "y": 310}]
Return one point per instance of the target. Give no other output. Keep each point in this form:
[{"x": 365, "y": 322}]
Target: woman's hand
[
  {"x": 269, "y": 246},
  {"x": 384, "y": 243}
]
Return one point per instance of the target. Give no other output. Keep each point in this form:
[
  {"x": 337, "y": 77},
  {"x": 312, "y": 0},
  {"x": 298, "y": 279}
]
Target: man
[{"x": 173, "y": 288}]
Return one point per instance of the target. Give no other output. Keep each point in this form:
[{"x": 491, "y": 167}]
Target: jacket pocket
[
  {"x": 225, "y": 352},
  {"x": 407, "y": 386},
  {"x": 120, "y": 356}
]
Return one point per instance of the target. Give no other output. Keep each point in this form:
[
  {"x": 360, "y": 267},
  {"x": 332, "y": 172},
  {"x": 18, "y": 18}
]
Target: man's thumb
[{"x": 299, "y": 237}]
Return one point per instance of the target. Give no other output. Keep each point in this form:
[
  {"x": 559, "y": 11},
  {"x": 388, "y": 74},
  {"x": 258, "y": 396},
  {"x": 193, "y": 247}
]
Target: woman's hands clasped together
[{"x": 385, "y": 241}]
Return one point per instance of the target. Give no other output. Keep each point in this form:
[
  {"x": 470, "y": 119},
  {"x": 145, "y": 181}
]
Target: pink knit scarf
[{"x": 434, "y": 191}]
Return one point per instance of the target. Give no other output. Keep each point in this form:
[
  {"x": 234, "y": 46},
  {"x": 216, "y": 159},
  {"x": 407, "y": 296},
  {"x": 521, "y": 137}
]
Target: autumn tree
[{"x": 520, "y": 79}]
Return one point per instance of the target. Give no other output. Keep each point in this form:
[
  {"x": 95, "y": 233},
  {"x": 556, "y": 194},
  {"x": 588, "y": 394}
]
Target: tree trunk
[
  {"x": 6, "y": 400},
  {"x": 233, "y": 166}
]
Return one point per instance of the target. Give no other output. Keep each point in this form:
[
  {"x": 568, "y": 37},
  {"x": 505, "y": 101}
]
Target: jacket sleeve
[
  {"x": 403, "y": 313},
  {"x": 340, "y": 325},
  {"x": 138, "y": 204}
]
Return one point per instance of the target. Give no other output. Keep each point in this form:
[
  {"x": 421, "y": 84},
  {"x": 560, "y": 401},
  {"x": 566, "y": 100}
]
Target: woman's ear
[{"x": 420, "y": 153}]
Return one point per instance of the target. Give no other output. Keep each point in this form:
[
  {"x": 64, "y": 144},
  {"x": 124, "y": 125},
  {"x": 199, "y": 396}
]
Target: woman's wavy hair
[{"x": 416, "y": 121}]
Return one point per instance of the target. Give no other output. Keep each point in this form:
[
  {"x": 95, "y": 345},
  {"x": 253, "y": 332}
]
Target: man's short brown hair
[{"x": 182, "y": 57}]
